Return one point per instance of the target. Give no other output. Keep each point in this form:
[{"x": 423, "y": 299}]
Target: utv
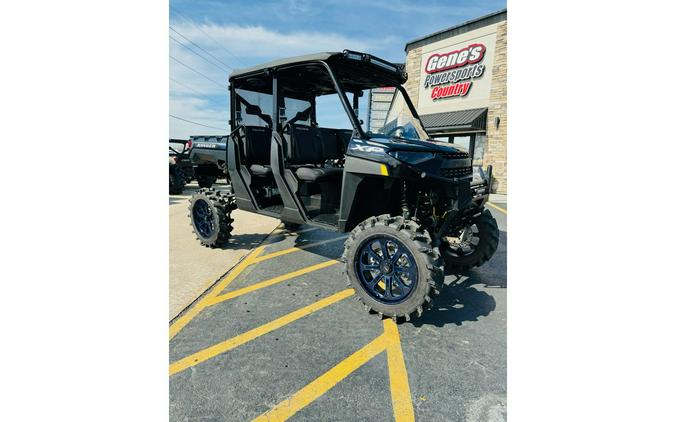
[
  {"x": 180, "y": 168},
  {"x": 209, "y": 159},
  {"x": 412, "y": 205}
]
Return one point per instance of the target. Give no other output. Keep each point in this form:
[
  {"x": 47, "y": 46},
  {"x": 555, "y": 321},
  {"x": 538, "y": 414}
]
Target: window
[
  {"x": 249, "y": 115},
  {"x": 463, "y": 142},
  {"x": 294, "y": 106},
  {"x": 330, "y": 112},
  {"x": 479, "y": 149}
]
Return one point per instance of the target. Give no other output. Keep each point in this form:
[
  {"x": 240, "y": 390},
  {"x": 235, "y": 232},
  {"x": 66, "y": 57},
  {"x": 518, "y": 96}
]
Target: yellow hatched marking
[
  {"x": 398, "y": 379},
  {"x": 325, "y": 382},
  {"x": 181, "y": 322},
  {"x": 496, "y": 207},
  {"x": 398, "y": 375},
  {"x": 270, "y": 282},
  {"x": 222, "y": 347},
  {"x": 296, "y": 249}
]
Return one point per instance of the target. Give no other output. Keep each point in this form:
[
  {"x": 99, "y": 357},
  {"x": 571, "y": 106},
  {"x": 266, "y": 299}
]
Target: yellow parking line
[
  {"x": 296, "y": 249},
  {"x": 325, "y": 382},
  {"x": 496, "y": 207},
  {"x": 398, "y": 379},
  {"x": 266, "y": 283},
  {"x": 398, "y": 375},
  {"x": 222, "y": 347},
  {"x": 181, "y": 322}
]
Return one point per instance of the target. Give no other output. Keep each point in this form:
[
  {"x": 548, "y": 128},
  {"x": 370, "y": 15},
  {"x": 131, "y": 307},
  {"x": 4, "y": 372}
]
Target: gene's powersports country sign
[{"x": 452, "y": 74}]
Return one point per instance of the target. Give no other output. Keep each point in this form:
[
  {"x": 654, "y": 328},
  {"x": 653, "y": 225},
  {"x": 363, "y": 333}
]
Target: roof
[
  {"x": 462, "y": 28},
  {"x": 456, "y": 121},
  {"x": 280, "y": 62}
]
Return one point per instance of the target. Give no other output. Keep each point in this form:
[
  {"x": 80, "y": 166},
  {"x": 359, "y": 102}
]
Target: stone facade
[
  {"x": 413, "y": 66},
  {"x": 495, "y": 144}
]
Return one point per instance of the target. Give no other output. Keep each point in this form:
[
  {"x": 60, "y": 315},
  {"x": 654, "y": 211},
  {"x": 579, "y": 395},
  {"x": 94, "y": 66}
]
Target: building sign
[
  {"x": 451, "y": 74},
  {"x": 456, "y": 73}
]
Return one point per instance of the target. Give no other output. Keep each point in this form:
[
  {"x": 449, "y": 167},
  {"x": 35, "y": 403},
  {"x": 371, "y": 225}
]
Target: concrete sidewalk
[{"x": 194, "y": 268}]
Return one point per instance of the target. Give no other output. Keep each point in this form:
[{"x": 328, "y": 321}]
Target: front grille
[
  {"x": 457, "y": 172},
  {"x": 457, "y": 154}
]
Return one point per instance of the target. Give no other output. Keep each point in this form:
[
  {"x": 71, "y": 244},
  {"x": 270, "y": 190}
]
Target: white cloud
[
  {"x": 252, "y": 45},
  {"x": 196, "y": 110},
  {"x": 261, "y": 42}
]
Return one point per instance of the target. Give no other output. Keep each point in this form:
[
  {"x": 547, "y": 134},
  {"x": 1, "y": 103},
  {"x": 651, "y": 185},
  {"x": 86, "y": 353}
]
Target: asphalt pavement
[{"x": 281, "y": 336}]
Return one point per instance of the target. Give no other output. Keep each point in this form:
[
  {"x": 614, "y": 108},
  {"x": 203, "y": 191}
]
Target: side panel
[
  {"x": 292, "y": 211},
  {"x": 364, "y": 190},
  {"x": 239, "y": 176}
]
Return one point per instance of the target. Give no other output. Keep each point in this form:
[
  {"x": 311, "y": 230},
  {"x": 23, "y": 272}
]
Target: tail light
[{"x": 189, "y": 144}]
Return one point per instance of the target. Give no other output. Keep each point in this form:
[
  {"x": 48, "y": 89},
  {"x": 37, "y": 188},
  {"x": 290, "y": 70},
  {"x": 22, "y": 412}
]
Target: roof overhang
[
  {"x": 462, "y": 28},
  {"x": 349, "y": 61},
  {"x": 473, "y": 120}
]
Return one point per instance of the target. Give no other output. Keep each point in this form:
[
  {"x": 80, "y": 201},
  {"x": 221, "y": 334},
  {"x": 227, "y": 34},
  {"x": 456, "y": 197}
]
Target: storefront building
[
  {"x": 379, "y": 103},
  {"x": 457, "y": 81}
]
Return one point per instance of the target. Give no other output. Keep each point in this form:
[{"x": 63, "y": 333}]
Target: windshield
[{"x": 399, "y": 120}]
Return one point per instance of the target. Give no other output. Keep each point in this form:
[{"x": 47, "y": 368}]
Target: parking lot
[{"x": 281, "y": 336}]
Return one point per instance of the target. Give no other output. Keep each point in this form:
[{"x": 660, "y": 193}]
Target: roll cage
[
  {"x": 347, "y": 72},
  {"x": 282, "y": 163}
]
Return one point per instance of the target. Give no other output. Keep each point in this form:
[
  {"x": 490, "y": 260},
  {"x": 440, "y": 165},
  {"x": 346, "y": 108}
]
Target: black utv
[
  {"x": 180, "y": 168},
  {"x": 412, "y": 205},
  {"x": 208, "y": 156}
]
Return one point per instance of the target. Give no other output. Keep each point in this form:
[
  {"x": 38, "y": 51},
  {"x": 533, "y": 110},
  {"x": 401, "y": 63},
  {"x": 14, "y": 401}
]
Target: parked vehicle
[
  {"x": 180, "y": 168},
  {"x": 209, "y": 159},
  {"x": 412, "y": 205}
]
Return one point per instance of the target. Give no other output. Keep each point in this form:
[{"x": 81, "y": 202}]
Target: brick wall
[
  {"x": 413, "y": 65},
  {"x": 495, "y": 148}
]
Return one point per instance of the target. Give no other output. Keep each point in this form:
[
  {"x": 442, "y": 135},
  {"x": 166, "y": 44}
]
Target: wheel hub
[
  {"x": 386, "y": 269},
  {"x": 203, "y": 218}
]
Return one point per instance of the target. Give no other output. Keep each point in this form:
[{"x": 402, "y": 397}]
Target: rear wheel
[
  {"x": 473, "y": 245},
  {"x": 206, "y": 181},
  {"x": 209, "y": 212},
  {"x": 392, "y": 266},
  {"x": 176, "y": 180}
]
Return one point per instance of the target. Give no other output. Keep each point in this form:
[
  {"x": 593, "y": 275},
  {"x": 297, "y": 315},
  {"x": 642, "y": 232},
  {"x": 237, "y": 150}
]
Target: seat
[
  {"x": 257, "y": 145},
  {"x": 310, "y": 147},
  {"x": 260, "y": 170},
  {"x": 319, "y": 174}
]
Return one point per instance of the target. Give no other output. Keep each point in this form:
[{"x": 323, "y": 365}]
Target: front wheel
[
  {"x": 392, "y": 266},
  {"x": 473, "y": 245}
]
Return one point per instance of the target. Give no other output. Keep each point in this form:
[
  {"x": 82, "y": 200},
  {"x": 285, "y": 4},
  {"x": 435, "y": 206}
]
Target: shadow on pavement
[{"x": 459, "y": 301}]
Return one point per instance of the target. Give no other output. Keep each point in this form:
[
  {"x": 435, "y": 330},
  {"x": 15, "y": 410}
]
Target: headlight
[{"x": 412, "y": 157}]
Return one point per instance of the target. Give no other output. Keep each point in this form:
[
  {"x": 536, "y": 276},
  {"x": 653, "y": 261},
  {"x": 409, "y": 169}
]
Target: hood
[{"x": 402, "y": 144}]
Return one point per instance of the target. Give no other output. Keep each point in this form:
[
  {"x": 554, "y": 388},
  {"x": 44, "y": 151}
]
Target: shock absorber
[{"x": 404, "y": 201}]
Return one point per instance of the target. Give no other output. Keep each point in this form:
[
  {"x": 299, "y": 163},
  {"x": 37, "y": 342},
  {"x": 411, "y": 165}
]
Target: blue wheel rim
[
  {"x": 203, "y": 218},
  {"x": 386, "y": 269}
]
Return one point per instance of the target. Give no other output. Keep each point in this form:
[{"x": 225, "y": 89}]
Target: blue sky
[{"x": 232, "y": 34}]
